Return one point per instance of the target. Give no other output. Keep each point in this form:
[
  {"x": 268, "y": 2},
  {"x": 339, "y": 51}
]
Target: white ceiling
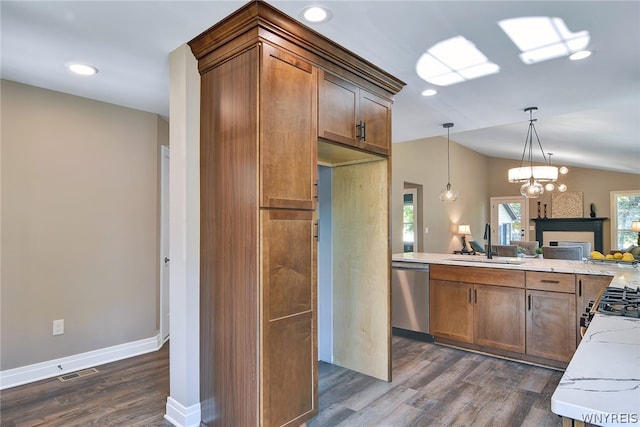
[{"x": 589, "y": 111}]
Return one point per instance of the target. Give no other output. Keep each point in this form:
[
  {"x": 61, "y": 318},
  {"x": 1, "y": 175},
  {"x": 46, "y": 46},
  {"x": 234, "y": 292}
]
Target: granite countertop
[{"x": 601, "y": 384}]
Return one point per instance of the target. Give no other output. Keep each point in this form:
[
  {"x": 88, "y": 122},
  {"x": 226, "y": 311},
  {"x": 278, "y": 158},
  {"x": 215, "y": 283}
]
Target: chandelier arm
[
  {"x": 530, "y": 133},
  {"x": 544, "y": 157},
  {"x": 524, "y": 150}
]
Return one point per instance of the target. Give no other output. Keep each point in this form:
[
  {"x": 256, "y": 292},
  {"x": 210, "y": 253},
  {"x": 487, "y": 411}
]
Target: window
[
  {"x": 409, "y": 216},
  {"x": 625, "y": 208}
]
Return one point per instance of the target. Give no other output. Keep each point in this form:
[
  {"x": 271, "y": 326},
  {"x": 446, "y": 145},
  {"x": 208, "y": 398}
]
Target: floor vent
[{"x": 78, "y": 374}]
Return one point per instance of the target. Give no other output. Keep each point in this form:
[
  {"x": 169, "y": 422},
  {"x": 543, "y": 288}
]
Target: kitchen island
[{"x": 601, "y": 384}]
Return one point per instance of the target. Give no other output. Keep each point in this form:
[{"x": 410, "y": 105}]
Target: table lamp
[
  {"x": 464, "y": 231},
  {"x": 635, "y": 226}
]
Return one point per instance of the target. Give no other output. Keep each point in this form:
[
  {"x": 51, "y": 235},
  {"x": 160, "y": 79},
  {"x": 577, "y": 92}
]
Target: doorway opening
[
  {"x": 509, "y": 220},
  {"x": 412, "y": 218}
]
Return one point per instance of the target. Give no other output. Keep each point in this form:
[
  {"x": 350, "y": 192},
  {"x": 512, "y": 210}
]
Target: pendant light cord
[{"x": 448, "y": 126}]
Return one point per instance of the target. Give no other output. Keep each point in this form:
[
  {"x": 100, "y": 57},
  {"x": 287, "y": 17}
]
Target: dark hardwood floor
[
  {"x": 130, "y": 392},
  {"x": 438, "y": 386},
  {"x": 433, "y": 386}
]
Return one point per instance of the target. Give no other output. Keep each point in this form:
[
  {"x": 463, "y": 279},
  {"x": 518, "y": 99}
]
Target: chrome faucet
[{"x": 487, "y": 237}]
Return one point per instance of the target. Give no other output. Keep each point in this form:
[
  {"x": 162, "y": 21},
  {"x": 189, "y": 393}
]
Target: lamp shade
[
  {"x": 539, "y": 173},
  {"x": 464, "y": 229},
  {"x": 635, "y": 226}
]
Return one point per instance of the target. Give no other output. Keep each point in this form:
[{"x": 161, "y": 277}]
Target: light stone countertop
[{"x": 601, "y": 384}]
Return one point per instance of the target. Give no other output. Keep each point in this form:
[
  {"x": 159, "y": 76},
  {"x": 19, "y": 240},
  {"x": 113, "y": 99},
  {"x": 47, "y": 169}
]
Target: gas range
[
  {"x": 613, "y": 301},
  {"x": 620, "y": 302}
]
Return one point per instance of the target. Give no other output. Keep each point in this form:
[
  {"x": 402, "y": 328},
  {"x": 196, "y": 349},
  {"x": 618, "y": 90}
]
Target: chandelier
[{"x": 532, "y": 176}]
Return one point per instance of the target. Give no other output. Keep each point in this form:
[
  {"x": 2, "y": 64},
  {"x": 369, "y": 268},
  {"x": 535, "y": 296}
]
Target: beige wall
[
  {"x": 478, "y": 178},
  {"x": 425, "y": 162},
  {"x": 595, "y": 185},
  {"x": 79, "y": 224}
]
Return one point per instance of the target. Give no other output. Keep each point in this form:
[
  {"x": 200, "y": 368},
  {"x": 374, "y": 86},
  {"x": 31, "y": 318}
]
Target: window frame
[
  {"x": 416, "y": 236},
  {"x": 613, "y": 205}
]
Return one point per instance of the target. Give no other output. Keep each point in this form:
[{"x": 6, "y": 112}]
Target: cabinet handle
[
  {"x": 317, "y": 235},
  {"x": 529, "y": 302},
  {"x": 550, "y": 281},
  {"x": 475, "y": 296},
  {"x": 469, "y": 295},
  {"x": 361, "y": 131},
  {"x": 580, "y": 287},
  {"x": 315, "y": 186}
]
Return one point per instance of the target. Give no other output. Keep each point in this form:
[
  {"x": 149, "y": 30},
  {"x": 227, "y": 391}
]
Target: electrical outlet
[
  {"x": 58, "y": 327},
  {"x": 426, "y": 230}
]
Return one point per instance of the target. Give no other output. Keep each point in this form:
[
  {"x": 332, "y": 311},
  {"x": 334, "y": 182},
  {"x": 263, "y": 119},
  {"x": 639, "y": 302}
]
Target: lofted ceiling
[{"x": 589, "y": 110}]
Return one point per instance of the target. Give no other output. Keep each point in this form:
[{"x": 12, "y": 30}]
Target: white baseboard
[
  {"x": 182, "y": 416},
  {"x": 51, "y": 368}
]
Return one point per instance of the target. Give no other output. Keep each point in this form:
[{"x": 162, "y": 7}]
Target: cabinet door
[
  {"x": 451, "y": 310},
  {"x": 551, "y": 328},
  {"x": 288, "y": 131},
  {"x": 588, "y": 289},
  {"x": 375, "y": 115},
  {"x": 289, "y": 351},
  {"x": 499, "y": 317},
  {"x": 337, "y": 109}
]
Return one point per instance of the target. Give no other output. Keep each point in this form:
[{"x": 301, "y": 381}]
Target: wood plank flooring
[
  {"x": 130, "y": 392},
  {"x": 438, "y": 386},
  {"x": 433, "y": 386}
]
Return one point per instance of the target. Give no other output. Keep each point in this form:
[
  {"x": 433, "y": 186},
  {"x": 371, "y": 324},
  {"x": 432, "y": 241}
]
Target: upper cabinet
[
  {"x": 288, "y": 132},
  {"x": 349, "y": 114}
]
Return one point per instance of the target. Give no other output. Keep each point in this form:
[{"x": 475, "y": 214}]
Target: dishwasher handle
[{"x": 404, "y": 266}]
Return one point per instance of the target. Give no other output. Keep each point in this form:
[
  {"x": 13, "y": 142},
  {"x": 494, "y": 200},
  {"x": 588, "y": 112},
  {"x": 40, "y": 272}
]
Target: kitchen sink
[{"x": 514, "y": 261}]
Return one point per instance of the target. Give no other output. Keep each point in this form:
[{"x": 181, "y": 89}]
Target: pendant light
[
  {"x": 447, "y": 194},
  {"x": 533, "y": 176}
]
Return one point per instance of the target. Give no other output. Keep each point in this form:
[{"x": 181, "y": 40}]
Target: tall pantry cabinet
[{"x": 259, "y": 157}]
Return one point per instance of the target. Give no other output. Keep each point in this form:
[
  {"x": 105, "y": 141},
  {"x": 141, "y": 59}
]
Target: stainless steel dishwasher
[{"x": 410, "y": 296}]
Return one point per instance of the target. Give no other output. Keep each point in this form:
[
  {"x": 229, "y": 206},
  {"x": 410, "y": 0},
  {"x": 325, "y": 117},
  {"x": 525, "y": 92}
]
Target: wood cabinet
[
  {"x": 289, "y": 360},
  {"x": 288, "y": 129},
  {"x": 257, "y": 284},
  {"x": 258, "y": 180},
  {"x": 530, "y": 315},
  {"x": 351, "y": 115},
  {"x": 588, "y": 288},
  {"x": 488, "y": 314},
  {"x": 498, "y": 317},
  {"x": 551, "y": 331},
  {"x": 551, "y": 315},
  {"x": 450, "y": 309}
]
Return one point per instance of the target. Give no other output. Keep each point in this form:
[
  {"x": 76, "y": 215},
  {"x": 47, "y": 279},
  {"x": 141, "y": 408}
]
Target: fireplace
[{"x": 576, "y": 229}]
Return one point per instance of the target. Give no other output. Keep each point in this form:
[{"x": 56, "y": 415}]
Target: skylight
[
  {"x": 541, "y": 38},
  {"x": 453, "y": 61}
]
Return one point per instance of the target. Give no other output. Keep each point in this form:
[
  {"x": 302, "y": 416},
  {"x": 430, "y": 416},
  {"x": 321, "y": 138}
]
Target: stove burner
[{"x": 620, "y": 302}]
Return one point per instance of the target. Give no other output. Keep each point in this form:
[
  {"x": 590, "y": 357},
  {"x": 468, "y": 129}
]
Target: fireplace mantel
[{"x": 572, "y": 224}]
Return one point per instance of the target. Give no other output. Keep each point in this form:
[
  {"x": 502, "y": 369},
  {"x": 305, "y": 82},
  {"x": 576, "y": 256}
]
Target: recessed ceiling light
[
  {"x": 83, "y": 69},
  {"x": 580, "y": 55},
  {"x": 316, "y": 14},
  {"x": 429, "y": 92}
]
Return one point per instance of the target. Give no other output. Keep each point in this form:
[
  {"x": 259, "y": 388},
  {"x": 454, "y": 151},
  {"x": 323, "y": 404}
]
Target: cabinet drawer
[
  {"x": 554, "y": 282},
  {"x": 482, "y": 275}
]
